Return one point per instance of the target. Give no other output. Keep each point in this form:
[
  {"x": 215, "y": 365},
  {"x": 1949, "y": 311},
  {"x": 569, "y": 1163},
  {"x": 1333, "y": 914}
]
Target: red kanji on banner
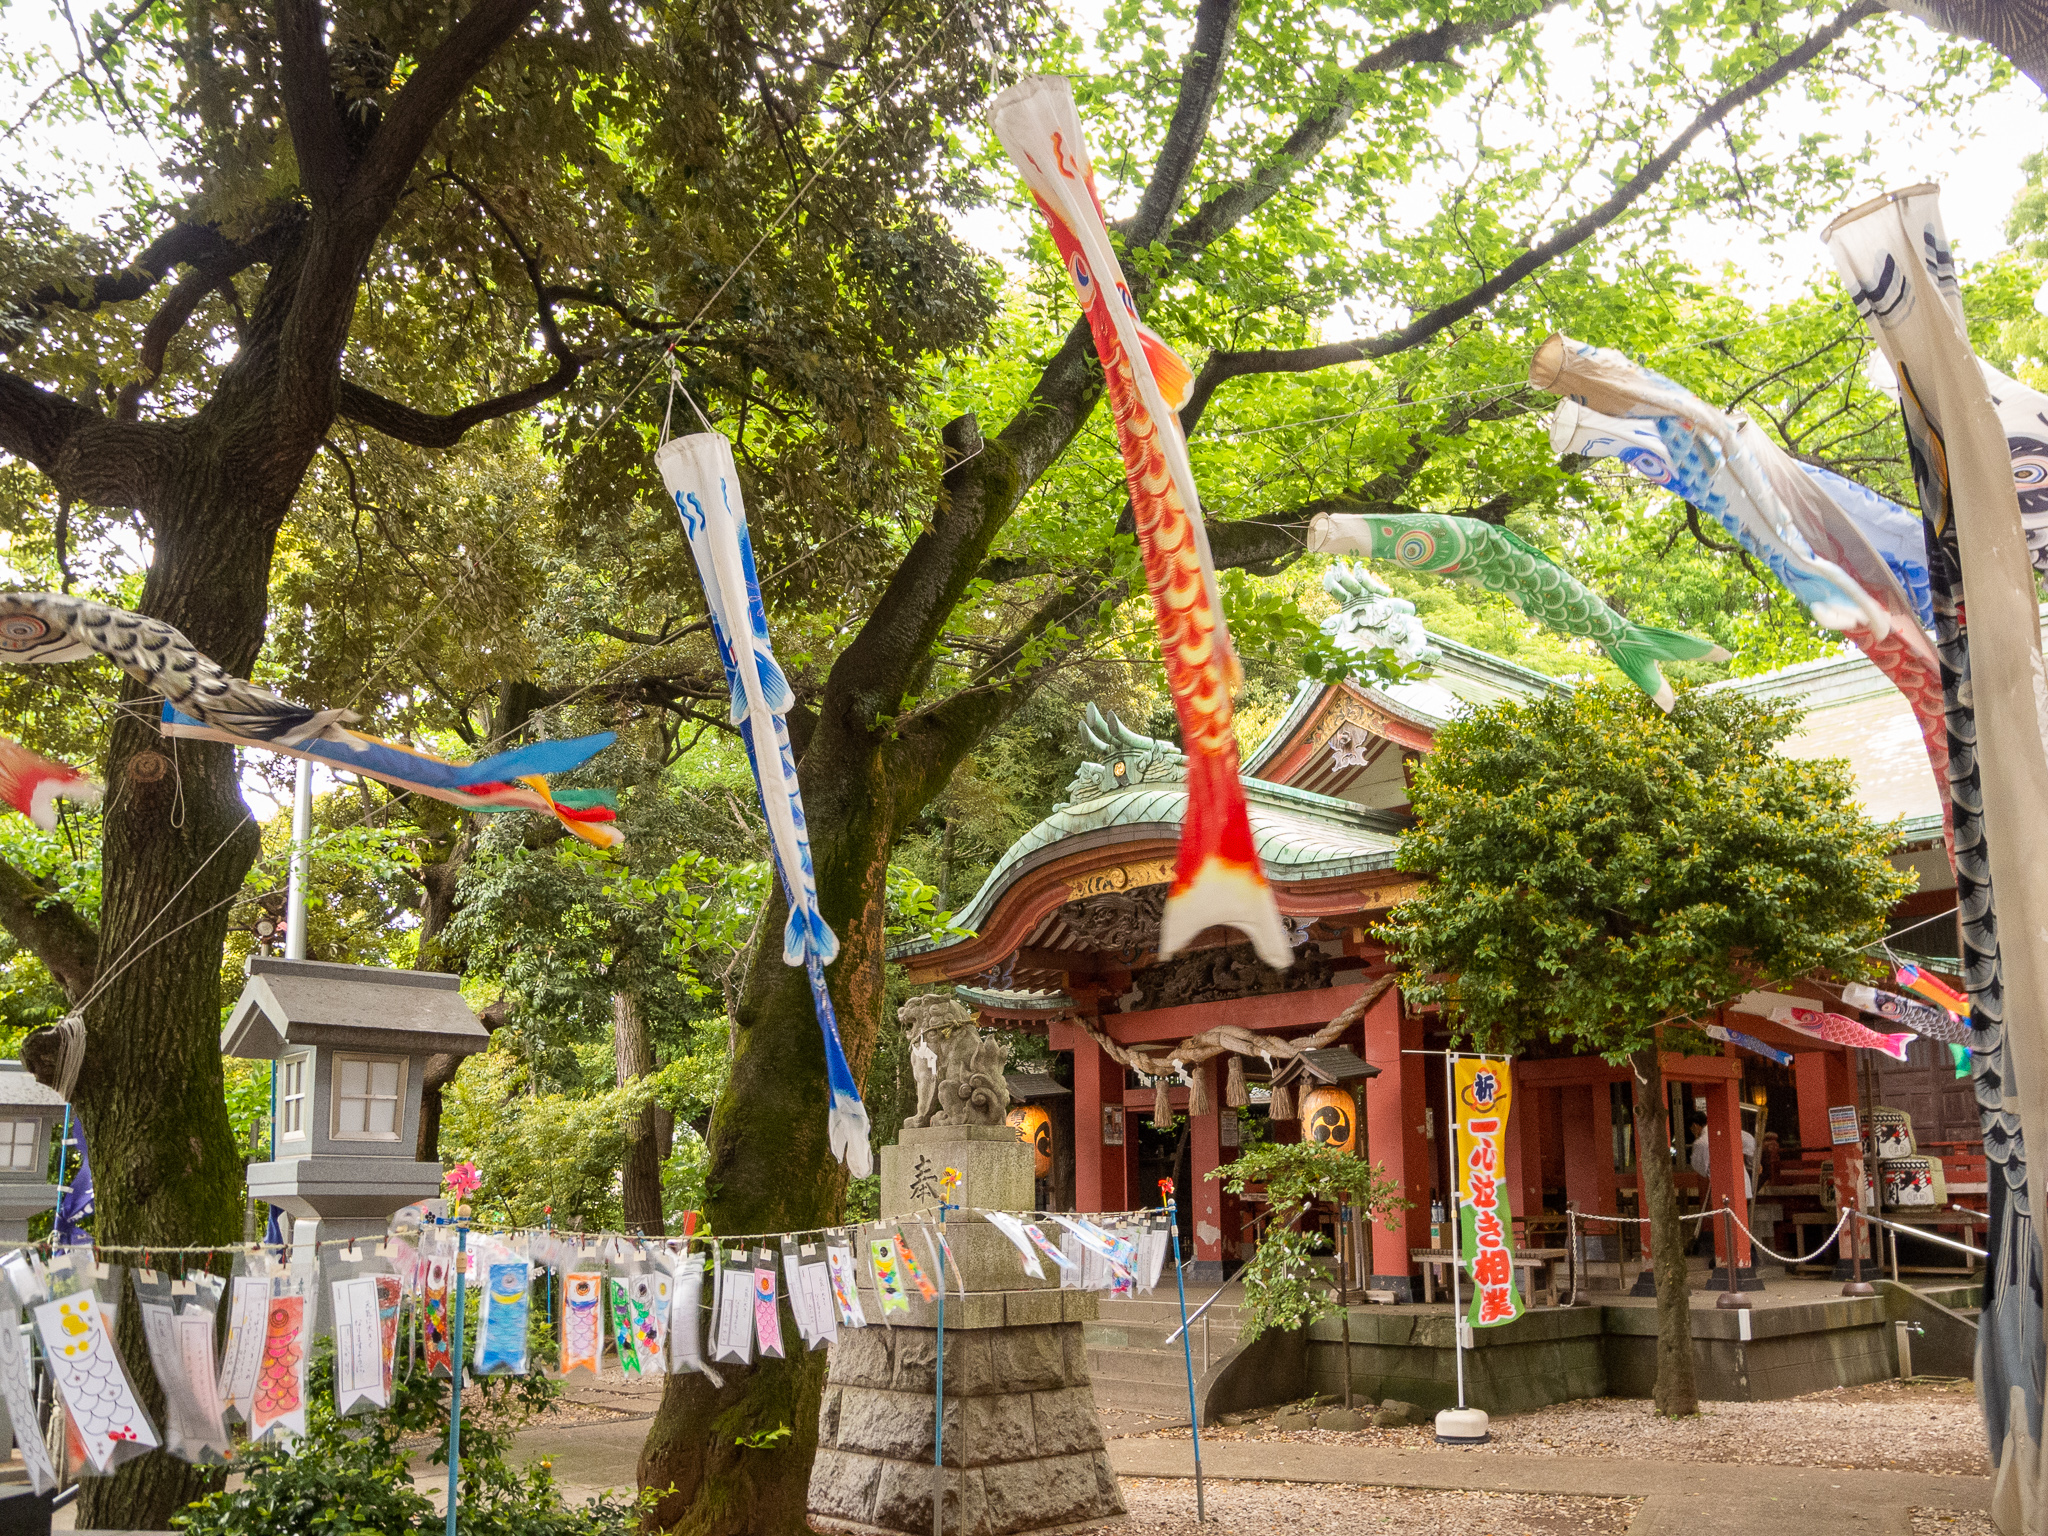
[
  {"x": 1496, "y": 1304},
  {"x": 1493, "y": 1268}
]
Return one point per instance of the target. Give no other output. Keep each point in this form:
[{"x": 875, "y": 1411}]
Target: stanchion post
[
  {"x": 1856, "y": 1285},
  {"x": 456, "y": 1362},
  {"x": 1731, "y": 1299},
  {"x": 1186, "y": 1349}
]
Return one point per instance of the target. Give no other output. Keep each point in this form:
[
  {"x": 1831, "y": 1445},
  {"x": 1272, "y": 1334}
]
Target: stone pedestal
[
  {"x": 1023, "y": 1447},
  {"x": 22, "y": 1203},
  {"x": 350, "y": 1197}
]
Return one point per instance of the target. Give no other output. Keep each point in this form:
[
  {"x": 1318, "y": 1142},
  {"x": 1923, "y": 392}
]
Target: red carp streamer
[
  {"x": 1218, "y": 878},
  {"x": 32, "y": 783}
]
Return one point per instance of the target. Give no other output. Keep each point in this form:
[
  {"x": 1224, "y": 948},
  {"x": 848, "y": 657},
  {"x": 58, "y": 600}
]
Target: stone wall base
[{"x": 1023, "y": 1447}]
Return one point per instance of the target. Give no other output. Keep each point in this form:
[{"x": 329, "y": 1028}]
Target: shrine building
[{"x": 1065, "y": 937}]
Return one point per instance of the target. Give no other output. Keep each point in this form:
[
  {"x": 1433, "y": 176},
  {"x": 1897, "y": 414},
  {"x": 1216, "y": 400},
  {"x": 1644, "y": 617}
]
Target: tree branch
[
  {"x": 425, "y": 429},
  {"x": 51, "y": 930},
  {"x": 1231, "y": 365},
  {"x": 1432, "y": 45},
  {"x": 427, "y": 95},
  {"x": 87, "y": 457},
  {"x": 306, "y": 81},
  {"x": 165, "y": 324},
  {"x": 105, "y": 46},
  {"x": 181, "y": 244},
  {"x": 1201, "y": 78}
]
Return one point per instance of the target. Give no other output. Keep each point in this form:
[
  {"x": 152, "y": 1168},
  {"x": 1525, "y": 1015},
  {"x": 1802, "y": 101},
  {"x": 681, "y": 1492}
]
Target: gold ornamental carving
[
  {"x": 1347, "y": 710},
  {"x": 1121, "y": 877}
]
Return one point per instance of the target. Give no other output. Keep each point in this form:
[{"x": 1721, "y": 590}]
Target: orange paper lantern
[
  {"x": 1034, "y": 1125},
  {"x": 1330, "y": 1118}
]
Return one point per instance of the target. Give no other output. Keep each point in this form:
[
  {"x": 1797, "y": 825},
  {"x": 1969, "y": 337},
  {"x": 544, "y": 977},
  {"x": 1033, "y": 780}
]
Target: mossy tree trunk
[
  {"x": 633, "y": 1051},
  {"x": 1676, "y": 1393},
  {"x": 214, "y": 487}
]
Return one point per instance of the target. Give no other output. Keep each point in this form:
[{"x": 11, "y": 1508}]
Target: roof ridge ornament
[
  {"x": 1128, "y": 758},
  {"x": 1371, "y": 618}
]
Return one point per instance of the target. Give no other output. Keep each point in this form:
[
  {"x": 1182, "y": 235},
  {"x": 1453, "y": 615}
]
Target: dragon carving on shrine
[{"x": 1128, "y": 759}]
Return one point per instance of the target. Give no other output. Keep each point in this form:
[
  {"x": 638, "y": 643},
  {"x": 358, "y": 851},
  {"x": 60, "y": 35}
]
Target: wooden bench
[{"x": 1532, "y": 1266}]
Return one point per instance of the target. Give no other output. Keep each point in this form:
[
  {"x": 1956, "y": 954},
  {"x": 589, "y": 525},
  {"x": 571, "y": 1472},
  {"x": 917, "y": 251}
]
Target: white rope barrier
[{"x": 1761, "y": 1246}]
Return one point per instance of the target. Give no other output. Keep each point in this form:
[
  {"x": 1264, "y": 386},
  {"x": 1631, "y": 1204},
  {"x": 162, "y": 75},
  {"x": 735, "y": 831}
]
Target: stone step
[
  {"x": 1166, "y": 1398},
  {"x": 1165, "y": 1313},
  {"x": 1141, "y": 1365},
  {"x": 1156, "y": 1336}
]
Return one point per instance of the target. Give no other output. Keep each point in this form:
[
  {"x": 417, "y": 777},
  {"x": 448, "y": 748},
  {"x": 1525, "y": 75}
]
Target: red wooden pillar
[
  {"x": 1100, "y": 1180},
  {"x": 1205, "y": 1195},
  {"x": 1525, "y": 1154},
  {"x": 1725, "y": 1176},
  {"x": 1589, "y": 1177},
  {"x": 1825, "y": 1079},
  {"x": 1396, "y": 1136}
]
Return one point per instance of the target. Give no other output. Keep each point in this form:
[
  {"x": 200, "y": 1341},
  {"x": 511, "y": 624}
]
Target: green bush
[
  {"x": 1284, "y": 1285},
  {"x": 353, "y": 1475}
]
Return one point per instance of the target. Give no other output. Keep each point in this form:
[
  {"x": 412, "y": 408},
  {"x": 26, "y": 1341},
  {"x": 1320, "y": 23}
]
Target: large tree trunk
[
  {"x": 167, "y": 1172},
  {"x": 1676, "y": 1395},
  {"x": 640, "y": 1195}
]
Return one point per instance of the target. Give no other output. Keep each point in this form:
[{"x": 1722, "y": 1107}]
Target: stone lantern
[
  {"x": 27, "y": 1111},
  {"x": 350, "y": 1043}
]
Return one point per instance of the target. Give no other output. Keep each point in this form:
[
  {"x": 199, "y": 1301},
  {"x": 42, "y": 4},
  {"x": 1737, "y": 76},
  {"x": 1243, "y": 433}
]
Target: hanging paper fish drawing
[
  {"x": 95, "y": 1389},
  {"x": 703, "y": 481},
  {"x": 390, "y": 1291},
  {"x": 888, "y": 1284},
  {"x": 1218, "y": 878},
  {"x": 502, "y": 1349},
  {"x": 624, "y": 1339},
  {"x": 1502, "y": 562},
  {"x": 906, "y": 1261},
  {"x": 32, "y": 784},
  {"x": 436, "y": 1320},
  {"x": 278, "y": 1394},
  {"x": 767, "y": 1315},
  {"x": 650, "y": 1296},
  {"x": 581, "y": 1327},
  {"x": 845, "y": 1287}
]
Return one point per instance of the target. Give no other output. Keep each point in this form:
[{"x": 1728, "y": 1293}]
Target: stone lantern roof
[{"x": 297, "y": 1003}]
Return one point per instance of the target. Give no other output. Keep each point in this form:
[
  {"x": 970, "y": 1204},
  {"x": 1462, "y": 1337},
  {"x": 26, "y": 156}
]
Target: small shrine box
[
  {"x": 351, "y": 1044},
  {"x": 27, "y": 1112}
]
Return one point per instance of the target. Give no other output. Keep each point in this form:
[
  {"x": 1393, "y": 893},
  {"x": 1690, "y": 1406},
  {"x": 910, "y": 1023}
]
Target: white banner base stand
[{"x": 1462, "y": 1426}]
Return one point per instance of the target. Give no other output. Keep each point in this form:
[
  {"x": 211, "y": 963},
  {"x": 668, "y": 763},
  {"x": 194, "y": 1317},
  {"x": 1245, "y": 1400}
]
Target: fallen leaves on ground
[{"x": 1166, "y": 1507}]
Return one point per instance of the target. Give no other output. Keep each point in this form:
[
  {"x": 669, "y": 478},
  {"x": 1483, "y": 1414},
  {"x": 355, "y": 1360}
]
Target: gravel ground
[
  {"x": 1922, "y": 1425},
  {"x": 1166, "y": 1507},
  {"x": 1951, "y": 1522}
]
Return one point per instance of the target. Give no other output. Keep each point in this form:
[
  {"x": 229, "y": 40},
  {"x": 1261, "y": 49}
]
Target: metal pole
[
  {"x": 1457, "y": 1225},
  {"x": 939, "y": 1398},
  {"x": 295, "y": 888},
  {"x": 455, "y": 1361},
  {"x": 1186, "y": 1357}
]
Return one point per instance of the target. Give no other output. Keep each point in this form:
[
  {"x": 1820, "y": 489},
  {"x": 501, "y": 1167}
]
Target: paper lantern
[
  {"x": 1034, "y": 1125},
  {"x": 1329, "y": 1118}
]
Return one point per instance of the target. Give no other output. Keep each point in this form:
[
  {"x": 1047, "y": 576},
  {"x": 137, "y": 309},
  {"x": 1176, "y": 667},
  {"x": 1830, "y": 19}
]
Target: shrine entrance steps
[{"x": 1135, "y": 1368}]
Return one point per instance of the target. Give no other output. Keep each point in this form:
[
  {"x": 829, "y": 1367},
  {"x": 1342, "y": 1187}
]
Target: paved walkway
[{"x": 1681, "y": 1498}]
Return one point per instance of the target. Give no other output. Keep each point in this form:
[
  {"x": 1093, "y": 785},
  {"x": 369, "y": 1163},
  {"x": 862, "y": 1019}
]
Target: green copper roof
[{"x": 1299, "y": 835}]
